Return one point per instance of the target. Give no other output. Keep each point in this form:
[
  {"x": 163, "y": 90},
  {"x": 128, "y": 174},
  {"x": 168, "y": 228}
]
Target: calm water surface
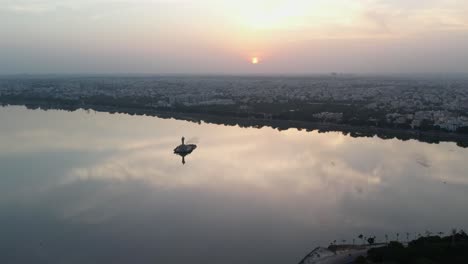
[{"x": 99, "y": 188}]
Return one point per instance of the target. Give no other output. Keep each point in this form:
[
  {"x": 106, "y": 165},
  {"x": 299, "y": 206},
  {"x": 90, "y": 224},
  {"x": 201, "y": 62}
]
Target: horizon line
[{"x": 239, "y": 74}]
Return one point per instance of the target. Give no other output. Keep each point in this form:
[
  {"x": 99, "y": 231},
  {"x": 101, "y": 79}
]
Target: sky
[{"x": 223, "y": 37}]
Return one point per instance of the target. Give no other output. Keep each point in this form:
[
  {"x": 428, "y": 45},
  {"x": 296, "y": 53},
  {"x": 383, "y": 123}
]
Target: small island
[{"x": 184, "y": 149}]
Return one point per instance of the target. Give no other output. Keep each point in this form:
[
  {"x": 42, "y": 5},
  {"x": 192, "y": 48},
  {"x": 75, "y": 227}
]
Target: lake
[{"x": 90, "y": 187}]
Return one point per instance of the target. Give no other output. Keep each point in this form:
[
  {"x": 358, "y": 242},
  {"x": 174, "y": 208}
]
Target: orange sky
[{"x": 181, "y": 36}]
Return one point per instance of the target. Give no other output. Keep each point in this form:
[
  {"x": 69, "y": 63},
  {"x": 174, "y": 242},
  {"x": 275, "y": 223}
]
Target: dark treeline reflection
[{"x": 433, "y": 137}]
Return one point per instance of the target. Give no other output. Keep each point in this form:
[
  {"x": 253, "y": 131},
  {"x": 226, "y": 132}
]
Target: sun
[{"x": 255, "y": 60}]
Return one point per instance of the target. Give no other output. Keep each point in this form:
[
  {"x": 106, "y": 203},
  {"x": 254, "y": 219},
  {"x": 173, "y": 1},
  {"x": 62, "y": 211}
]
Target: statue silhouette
[{"x": 184, "y": 149}]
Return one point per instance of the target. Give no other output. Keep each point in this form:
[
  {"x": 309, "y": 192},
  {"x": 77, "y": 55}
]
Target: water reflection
[
  {"x": 184, "y": 150},
  {"x": 97, "y": 188}
]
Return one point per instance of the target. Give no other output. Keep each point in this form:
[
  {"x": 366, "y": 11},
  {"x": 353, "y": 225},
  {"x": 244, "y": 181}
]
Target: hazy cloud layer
[{"x": 181, "y": 36}]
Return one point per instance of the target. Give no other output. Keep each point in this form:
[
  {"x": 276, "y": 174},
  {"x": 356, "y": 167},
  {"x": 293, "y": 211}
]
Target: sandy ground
[
  {"x": 342, "y": 258},
  {"x": 325, "y": 256}
]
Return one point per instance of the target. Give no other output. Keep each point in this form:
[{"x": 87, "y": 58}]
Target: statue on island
[{"x": 184, "y": 149}]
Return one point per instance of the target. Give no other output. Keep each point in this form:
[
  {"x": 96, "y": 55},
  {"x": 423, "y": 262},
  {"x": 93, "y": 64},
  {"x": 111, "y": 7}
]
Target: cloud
[
  {"x": 31, "y": 9},
  {"x": 152, "y": 35}
]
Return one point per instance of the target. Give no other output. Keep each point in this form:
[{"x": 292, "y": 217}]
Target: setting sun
[{"x": 255, "y": 60}]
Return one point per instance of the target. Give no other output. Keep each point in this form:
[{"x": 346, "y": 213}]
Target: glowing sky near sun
[
  {"x": 208, "y": 36},
  {"x": 255, "y": 60}
]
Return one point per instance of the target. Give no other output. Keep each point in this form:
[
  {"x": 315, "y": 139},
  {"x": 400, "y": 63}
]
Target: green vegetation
[{"x": 428, "y": 249}]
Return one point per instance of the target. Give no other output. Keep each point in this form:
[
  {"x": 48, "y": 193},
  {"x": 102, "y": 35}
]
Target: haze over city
[{"x": 233, "y": 37}]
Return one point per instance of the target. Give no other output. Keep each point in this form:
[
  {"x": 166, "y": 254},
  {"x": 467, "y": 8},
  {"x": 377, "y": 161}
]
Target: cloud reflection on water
[{"x": 243, "y": 192}]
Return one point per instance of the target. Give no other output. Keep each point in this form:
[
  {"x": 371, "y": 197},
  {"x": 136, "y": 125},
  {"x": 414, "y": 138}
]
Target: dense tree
[{"x": 425, "y": 249}]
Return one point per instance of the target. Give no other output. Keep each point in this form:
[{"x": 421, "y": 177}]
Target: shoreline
[
  {"x": 339, "y": 254},
  {"x": 430, "y": 136}
]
